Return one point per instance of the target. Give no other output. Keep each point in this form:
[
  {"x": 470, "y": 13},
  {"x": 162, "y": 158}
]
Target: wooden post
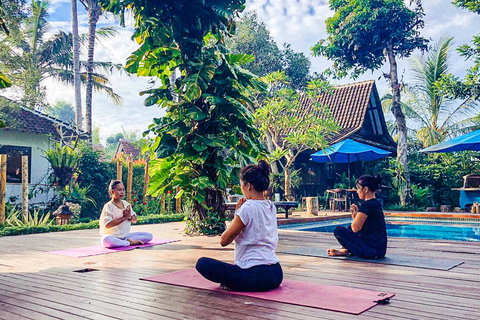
[
  {"x": 145, "y": 183},
  {"x": 164, "y": 204},
  {"x": 178, "y": 202},
  {"x": 119, "y": 170},
  {"x": 3, "y": 186},
  {"x": 25, "y": 188},
  {"x": 129, "y": 181}
]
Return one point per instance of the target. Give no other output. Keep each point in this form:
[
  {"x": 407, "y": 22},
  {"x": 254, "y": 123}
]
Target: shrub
[
  {"x": 14, "y": 218},
  {"x": 95, "y": 175},
  {"x": 149, "y": 219}
]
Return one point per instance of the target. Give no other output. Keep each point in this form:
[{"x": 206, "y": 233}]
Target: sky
[{"x": 298, "y": 22}]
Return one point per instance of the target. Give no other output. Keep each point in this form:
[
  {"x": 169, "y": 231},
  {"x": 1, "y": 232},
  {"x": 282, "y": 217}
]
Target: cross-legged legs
[
  {"x": 258, "y": 278},
  {"x": 353, "y": 244},
  {"x": 109, "y": 241}
]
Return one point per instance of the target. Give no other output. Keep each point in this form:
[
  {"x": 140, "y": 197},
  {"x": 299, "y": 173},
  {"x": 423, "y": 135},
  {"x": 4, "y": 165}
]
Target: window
[{"x": 14, "y": 162}]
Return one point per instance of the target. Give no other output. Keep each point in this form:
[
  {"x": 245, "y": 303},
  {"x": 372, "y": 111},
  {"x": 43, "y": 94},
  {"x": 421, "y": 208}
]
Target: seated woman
[
  {"x": 366, "y": 237},
  {"x": 116, "y": 219},
  {"x": 254, "y": 229}
]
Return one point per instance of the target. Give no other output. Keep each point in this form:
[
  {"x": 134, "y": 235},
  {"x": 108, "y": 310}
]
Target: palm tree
[
  {"x": 30, "y": 59},
  {"x": 94, "y": 11},
  {"x": 76, "y": 66},
  {"x": 434, "y": 117}
]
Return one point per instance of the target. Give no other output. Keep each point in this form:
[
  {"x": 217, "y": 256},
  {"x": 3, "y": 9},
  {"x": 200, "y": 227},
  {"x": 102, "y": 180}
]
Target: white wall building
[{"x": 29, "y": 133}]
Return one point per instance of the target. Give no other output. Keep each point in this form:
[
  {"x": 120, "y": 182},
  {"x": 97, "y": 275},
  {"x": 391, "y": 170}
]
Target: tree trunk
[
  {"x": 76, "y": 67},
  {"x": 288, "y": 182},
  {"x": 403, "y": 172},
  {"x": 271, "y": 148},
  {"x": 94, "y": 11},
  {"x": 214, "y": 200}
]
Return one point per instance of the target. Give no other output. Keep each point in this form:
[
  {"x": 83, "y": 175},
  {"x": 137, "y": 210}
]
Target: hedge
[{"x": 147, "y": 219}]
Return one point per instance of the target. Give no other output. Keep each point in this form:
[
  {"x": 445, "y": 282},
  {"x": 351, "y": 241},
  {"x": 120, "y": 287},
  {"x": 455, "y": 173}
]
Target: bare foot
[
  {"x": 224, "y": 287},
  {"x": 337, "y": 252},
  {"x": 134, "y": 242}
]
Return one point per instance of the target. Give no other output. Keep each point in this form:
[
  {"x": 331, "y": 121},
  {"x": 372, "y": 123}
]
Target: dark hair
[
  {"x": 257, "y": 175},
  {"x": 370, "y": 181},
  {"x": 113, "y": 184}
]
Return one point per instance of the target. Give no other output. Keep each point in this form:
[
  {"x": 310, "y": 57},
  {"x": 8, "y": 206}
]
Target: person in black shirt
[{"x": 366, "y": 237}]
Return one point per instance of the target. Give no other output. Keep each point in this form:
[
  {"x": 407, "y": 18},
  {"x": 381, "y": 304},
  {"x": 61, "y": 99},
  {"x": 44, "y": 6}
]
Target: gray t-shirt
[{"x": 257, "y": 242}]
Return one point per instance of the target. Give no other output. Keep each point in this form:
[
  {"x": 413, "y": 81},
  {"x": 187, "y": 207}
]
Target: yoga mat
[
  {"x": 330, "y": 297},
  {"x": 96, "y": 250},
  {"x": 394, "y": 259}
]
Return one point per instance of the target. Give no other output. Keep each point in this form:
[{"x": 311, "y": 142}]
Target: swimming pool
[{"x": 408, "y": 228}]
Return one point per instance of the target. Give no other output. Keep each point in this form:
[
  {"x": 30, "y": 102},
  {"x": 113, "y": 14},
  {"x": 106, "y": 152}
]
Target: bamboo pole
[
  {"x": 129, "y": 181},
  {"x": 3, "y": 186},
  {"x": 145, "y": 183},
  {"x": 178, "y": 202},
  {"x": 164, "y": 203},
  {"x": 25, "y": 188},
  {"x": 119, "y": 170}
]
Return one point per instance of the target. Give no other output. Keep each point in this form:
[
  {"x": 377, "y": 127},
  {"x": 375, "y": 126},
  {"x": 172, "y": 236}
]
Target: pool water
[{"x": 438, "y": 229}]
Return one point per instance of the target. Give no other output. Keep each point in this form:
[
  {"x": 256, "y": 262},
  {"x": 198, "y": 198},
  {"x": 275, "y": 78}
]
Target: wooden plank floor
[{"x": 35, "y": 285}]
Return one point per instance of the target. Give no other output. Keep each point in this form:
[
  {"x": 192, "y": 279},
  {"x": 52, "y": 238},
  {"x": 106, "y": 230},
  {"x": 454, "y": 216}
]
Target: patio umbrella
[
  {"x": 469, "y": 141},
  {"x": 348, "y": 151}
]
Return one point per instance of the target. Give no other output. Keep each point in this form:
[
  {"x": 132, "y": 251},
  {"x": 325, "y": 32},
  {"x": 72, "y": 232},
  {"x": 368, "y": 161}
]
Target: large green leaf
[
  {"x": 4, "y": 81},
  {"x": 196, "y": 114},
  {"x": 240, "y": 58},
  {"x": 193, "y": 91}
]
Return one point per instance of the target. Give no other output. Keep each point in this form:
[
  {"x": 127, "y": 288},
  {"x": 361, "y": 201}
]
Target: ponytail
[
  {"x": 257, "y": 175},
  {"x": 371, "y": 182}
]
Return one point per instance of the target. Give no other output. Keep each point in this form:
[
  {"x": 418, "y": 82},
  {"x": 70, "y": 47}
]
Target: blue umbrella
[
  {"x": 347, "y": 151},
  {"x": 469, "y": 141}
]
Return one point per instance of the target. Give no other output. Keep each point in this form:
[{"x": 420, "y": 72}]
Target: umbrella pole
[{"x": 348, "y": 160}]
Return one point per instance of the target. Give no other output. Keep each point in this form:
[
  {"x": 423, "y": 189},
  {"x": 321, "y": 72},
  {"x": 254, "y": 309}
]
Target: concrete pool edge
[{"x": 302, "y": 217}]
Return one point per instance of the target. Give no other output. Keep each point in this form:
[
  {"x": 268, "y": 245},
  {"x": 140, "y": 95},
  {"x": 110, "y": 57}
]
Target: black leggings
[
  {"x": 258, "y": 278},
  {"x": 356, "y": 245}
]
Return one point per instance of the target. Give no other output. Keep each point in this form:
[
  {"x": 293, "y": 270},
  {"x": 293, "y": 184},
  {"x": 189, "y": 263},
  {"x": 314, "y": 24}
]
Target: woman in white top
[
  {"x": 116, "y": 219},
  {"x": 254, "y": 229}
]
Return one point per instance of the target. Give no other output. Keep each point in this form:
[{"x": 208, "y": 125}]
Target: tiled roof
[
  {"x": 127, "y": 148},
  {"x": 27, "y": 120},
  {"x": 348, "y": 105}
]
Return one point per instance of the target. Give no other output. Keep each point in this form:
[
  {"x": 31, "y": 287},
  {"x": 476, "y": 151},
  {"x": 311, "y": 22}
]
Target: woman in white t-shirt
[
  {"x": 254, "y": 229},
  {"x": 116, "y": 219}
]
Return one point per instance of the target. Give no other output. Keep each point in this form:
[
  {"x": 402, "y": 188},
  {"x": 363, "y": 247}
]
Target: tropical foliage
[
  {"x": 433, "y": 115},
  {"x": 208, "y": 130},
  {"x": 61, "y": 110},
  {"x": 361, "y": 36},
  {"x": 253, "y": 37},
  {"x": 291, "y": 131},
  {"x": 14, "y": 218},
  {"x": 64, "y": 161},
  {"x": 469, "y": 86},
  {"x": 28, "y": 57}
]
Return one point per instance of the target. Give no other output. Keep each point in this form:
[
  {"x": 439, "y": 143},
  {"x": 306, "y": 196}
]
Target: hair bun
[{"x": 264, "y": 166}]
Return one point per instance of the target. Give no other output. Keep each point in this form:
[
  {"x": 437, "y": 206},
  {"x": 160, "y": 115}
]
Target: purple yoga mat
[
  {"x": 330, "y": 297},
  {"x": 96, "y": 250}
]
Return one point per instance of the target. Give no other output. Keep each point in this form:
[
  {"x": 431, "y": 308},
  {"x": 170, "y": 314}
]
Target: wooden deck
[{"x": 35, "y": 285}]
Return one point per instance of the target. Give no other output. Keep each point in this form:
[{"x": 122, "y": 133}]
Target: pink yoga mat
[
  {"x": 96, "y": 250},
  {"x": 330, "y": 297}
]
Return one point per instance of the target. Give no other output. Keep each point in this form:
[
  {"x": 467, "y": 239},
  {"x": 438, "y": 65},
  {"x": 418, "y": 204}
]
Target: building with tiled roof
[
  {"x": 127, "y": 148},
  {"x": 23, "y": 119},
  {"x": 358, "y": 111},
  {"x": 28, "y": 133}
]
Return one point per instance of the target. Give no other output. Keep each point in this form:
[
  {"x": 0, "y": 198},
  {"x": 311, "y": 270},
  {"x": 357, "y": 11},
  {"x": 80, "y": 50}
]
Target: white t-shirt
[
  {"x": 111, "y": 212},
  {"x": 257, "y": 242}
]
